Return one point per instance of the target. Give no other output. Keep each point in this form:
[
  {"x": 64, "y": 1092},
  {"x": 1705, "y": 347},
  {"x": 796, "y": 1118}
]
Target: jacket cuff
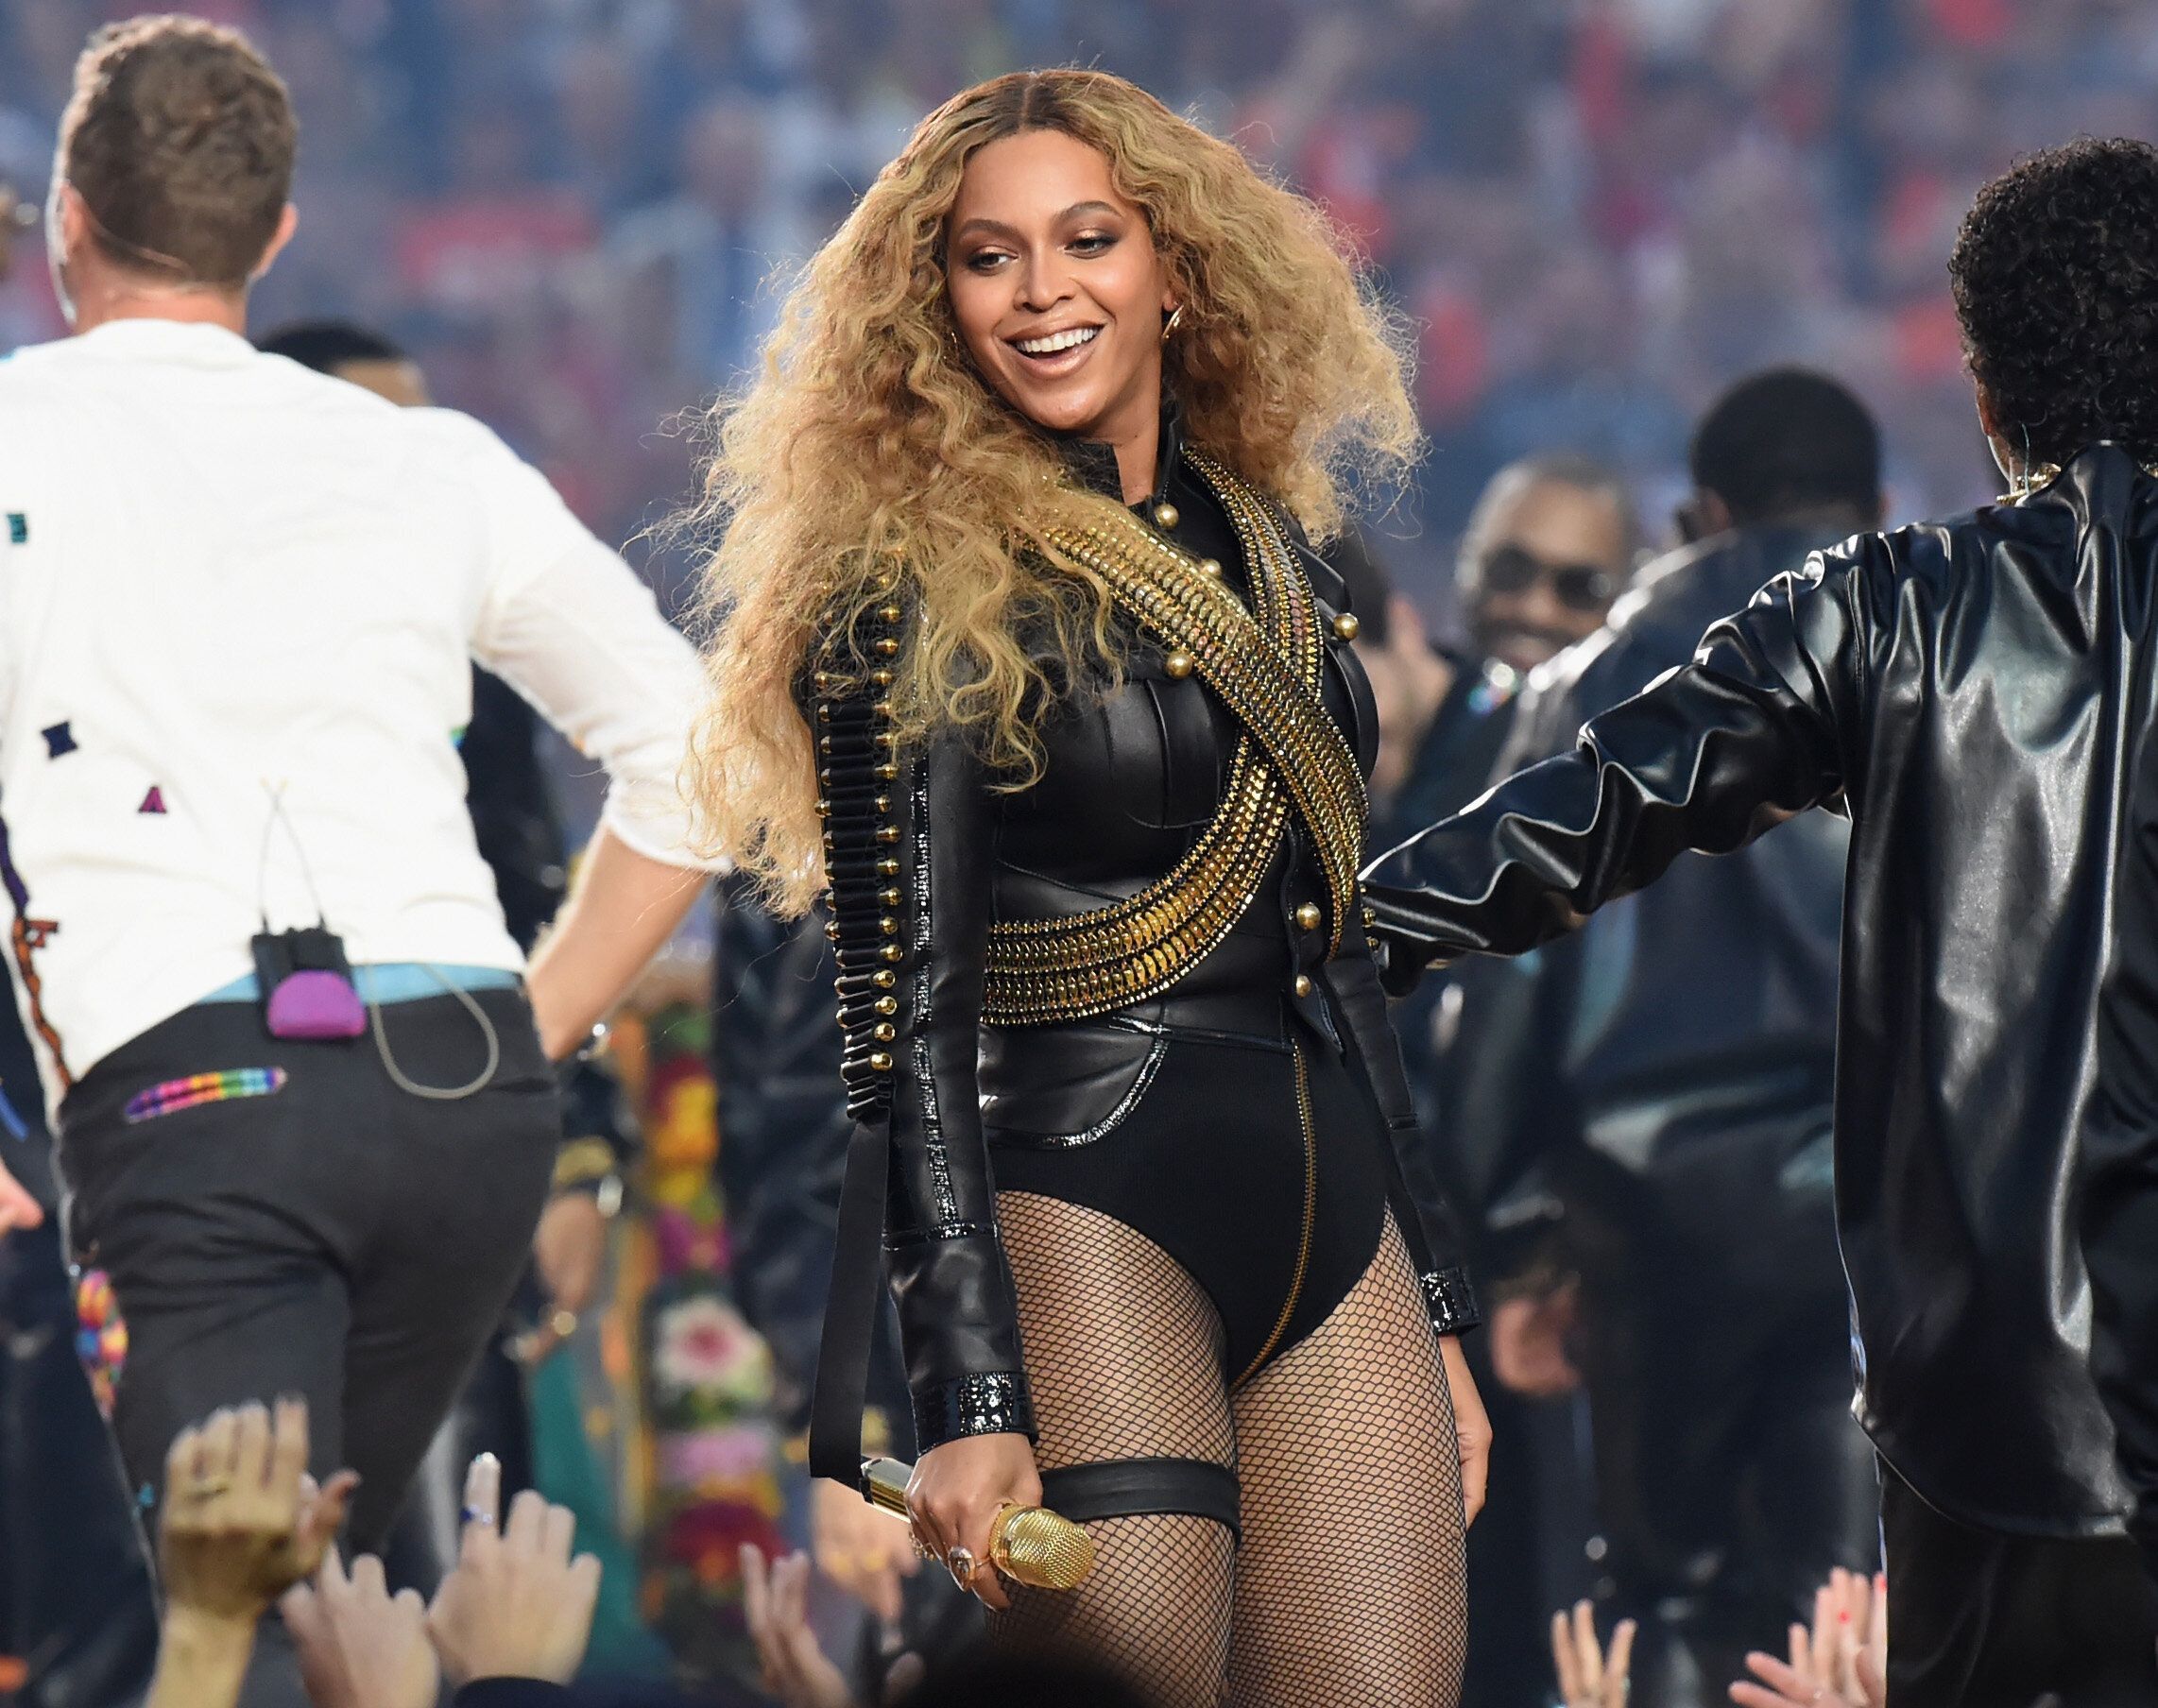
[
  {"x": 995, "y": 1402},
  {"x": 1451, "y": 1300}
]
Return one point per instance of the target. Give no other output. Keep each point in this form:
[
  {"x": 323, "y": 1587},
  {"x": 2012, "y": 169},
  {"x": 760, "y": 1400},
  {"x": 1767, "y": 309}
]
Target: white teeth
[{"x": 1056, "y": 341}]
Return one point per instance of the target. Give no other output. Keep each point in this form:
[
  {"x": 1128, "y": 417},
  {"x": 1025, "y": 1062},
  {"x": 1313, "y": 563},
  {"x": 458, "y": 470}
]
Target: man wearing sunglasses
[{"x": 1549, "y": 545}]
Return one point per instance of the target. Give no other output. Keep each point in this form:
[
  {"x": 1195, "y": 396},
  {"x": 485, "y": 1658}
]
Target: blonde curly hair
[{"x": 869, "y": 449}]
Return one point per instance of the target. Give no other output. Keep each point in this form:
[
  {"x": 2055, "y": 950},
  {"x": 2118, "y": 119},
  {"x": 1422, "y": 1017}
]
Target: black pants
[
  {"x": 1730, "y": 1476},
  {"x": 1983, "y": 1619},
  {"x": 337, "y": 1239}
]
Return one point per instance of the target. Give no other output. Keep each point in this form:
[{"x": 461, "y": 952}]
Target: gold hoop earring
[{"x": 1175, "y": 318}]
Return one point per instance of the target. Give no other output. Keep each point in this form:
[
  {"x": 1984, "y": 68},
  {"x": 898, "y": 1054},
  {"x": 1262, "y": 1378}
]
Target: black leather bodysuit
[{"x": 1180, "y": 1115}]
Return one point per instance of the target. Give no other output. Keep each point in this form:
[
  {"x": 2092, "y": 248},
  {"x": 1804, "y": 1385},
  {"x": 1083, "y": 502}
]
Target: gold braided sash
[{"x": 1266, "y": 663}]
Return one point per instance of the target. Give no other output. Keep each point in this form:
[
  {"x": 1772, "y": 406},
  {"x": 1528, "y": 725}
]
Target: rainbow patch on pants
[
  {"x": 100, "y": 1335},
  {"x": 168, "y": 1097}
]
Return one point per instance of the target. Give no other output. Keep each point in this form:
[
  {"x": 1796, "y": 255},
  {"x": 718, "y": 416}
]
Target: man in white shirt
[{"x": 238, "y": 604}]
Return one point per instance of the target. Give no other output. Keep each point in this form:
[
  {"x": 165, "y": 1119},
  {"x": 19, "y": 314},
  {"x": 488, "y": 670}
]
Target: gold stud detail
[
  {"x": 889, "y": 925},
  {"x": 1179, "y": 664},
  {"x": 823, "y": 808},
  {"x": 1303, "y": 984},
  {"x": 887, "y": 773},
  {"x": 824, "y": 744},
  {"x": 832, "y": 930},
  {"x": 885, "y": 1032},
  {"x": 892, "y": 951},
  {"x": 823, "y": 712},
  {"x": 1307, "y": 915},
  {"x": 823, "y": 680},
  {"x": 880, "y": 1059},
  {"x": 889, "y": 898},
  {"x": 890, "y": 613},
  {"x": 887, "y": 1005},
  {"x": 883, "y": 978},
  {"x": 1167, "y": 515},
  {"x": 883, "y": 803},
  {"x": 1210, "y": 565},
  {"x": 887, "y": 869},
  {"x": 887, "y": 648},
  {"x": 887, "y": 833},
  {"x": 881, "y": 677},
  {"x": 1347, "y": 627}
]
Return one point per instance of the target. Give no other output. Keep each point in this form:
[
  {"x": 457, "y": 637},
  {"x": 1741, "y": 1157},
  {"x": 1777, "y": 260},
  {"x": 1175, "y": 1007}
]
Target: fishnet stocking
[
  {"x": 1125, "y": 1360},
  {"x": 1350, "y": 1585}
]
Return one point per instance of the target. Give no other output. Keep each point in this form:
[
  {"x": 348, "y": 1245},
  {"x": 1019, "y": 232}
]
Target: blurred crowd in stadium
[{"x": 1595, "y": 211}]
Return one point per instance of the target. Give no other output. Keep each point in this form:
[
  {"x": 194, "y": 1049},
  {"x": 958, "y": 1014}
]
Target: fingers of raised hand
[
  {"x": 1618, "y": 1665},
  {"x": 1786, "y": 1684},
  {"x": 287, "y": 1450},
  {"x": 557, "y": 1533},
  {"x": 1588, "y": 1649},
  {"x": 482, "y": 1497},
  {"x": 524, "y": 1531},
  {"x": 1564, "y": 1659}
]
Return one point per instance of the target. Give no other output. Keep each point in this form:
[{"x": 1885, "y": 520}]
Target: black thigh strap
[{"x": 1134, "y": 1487}]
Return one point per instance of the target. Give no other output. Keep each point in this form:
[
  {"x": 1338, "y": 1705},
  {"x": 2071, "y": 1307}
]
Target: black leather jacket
[
  {"x": 1688, "y": 1031},
  {"x": 1972, "y": 692},
  {"x": 1130, "y": 781}
]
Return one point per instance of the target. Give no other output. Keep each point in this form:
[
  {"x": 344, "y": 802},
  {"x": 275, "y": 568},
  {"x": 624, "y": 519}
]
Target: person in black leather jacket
[
  {"x": 1971, "y": 694},
  {"x": 1664, "y": 1076},
  {"x": 1086, "y": 783}
]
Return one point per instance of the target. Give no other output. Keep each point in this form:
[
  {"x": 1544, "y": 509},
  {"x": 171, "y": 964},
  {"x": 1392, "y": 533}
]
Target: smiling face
[{"x": 1057, "y": 290}]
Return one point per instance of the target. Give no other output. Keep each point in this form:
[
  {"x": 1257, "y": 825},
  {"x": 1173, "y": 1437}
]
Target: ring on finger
[{"x": 961, "y": 1564}]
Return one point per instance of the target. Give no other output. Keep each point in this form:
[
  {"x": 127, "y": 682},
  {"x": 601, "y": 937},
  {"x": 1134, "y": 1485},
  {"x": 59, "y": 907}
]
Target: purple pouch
[
  {"x": 314, "y": 1005},
  {"x": 306, "y": 985}
]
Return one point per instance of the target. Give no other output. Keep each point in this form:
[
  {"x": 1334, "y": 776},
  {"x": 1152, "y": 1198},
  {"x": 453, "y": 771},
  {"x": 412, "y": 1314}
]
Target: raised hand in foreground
[
  {"x": 359, "y": 1647},
  {"x": 775, "y": 1600},
  {"x": 517, "y": 1605},
  {"x": 1842, "y": 1663},
  {"x": 1589, "y": 1678},
  {"x": 240, "y": 1523}
]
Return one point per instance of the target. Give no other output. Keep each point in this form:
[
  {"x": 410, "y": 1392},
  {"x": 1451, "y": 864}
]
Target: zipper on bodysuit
[{"x": 1304, "y": 1125}]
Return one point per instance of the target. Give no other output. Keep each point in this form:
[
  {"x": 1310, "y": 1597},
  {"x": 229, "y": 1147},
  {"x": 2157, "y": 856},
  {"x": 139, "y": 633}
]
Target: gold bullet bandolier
[{"x": 1265, "y": 660}]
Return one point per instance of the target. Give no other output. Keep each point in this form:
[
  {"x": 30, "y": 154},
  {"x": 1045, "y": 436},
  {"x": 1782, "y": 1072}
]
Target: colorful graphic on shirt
[
  {"x": 59, "y": 738},
  {"x": 18, "y": 528},
  {"x": 168, "y": 1097},
  {"x": 100, "y": 1335},
  {"x": 26, "y": 939},
  {"x": 153, "y": 801}
]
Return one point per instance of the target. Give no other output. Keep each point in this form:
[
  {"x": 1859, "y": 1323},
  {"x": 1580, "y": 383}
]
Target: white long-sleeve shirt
[{"x": 233, "y": 591}]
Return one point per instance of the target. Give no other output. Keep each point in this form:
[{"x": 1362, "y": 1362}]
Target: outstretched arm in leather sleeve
[
  {"x": 1758, "y": 728},
  {"x": 2120, "y": 1152}
]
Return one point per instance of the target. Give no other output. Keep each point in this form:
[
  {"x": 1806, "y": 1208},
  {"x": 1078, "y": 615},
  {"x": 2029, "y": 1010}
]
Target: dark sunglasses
[{"x": 1579, "y": 587}]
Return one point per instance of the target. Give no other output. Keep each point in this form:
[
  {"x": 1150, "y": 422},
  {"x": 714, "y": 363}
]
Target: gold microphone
[{"x": 1029, "y": 1545}]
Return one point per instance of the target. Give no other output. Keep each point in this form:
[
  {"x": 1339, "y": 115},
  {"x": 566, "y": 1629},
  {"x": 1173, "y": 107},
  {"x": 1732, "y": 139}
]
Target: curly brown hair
[
  {"x": 869, "y": 446},
  {"x": 2056, "y": 280}
]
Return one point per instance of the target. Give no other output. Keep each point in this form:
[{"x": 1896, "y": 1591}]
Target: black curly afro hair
[{"x": 2056, "y": 280}]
